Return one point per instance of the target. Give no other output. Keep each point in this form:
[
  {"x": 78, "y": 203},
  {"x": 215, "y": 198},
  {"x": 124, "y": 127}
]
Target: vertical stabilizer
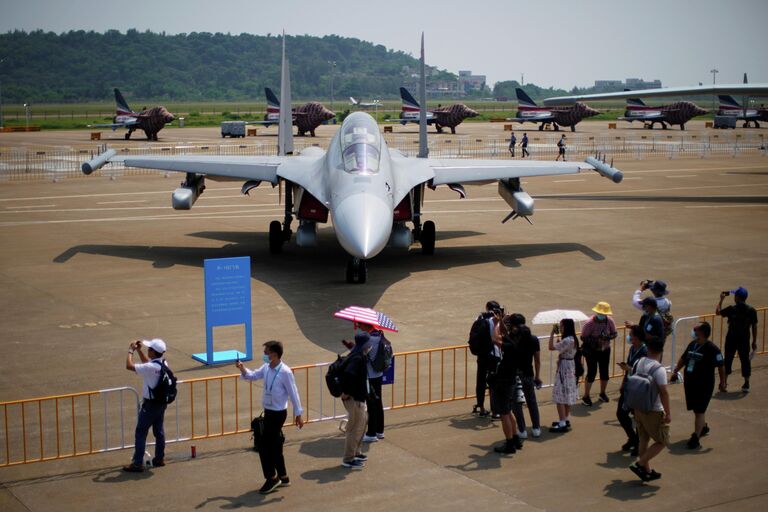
[
  {"x": 285, "y": 124},
  {"x": 635, "y": 102},
  {"x": 523, "y": 99},
  {"x": 423, "y": 147},
  {"x": 122, "y": 105},
  {"x": 745, "y": 79}
]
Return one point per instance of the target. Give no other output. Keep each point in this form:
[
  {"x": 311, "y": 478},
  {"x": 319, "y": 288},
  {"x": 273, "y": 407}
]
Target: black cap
[{"x": 650, "y": 301}]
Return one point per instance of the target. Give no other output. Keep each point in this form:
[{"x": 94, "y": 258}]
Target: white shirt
[
  {"x": 279, "y": 386},
  {"x": 663, "y": 304},
  {"x": 659, "y": 376},
  {"x": 150, "y": 372}
]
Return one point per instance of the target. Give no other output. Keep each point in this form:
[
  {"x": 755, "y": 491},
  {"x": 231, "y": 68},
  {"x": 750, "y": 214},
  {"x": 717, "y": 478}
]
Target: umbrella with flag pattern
[{"x": 366, "y": 316}]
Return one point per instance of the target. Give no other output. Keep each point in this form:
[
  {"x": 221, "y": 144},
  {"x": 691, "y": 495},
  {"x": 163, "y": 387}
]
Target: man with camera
[
  {"x": 742, "y": 320},
  {"x": 488, "y": 354},
  {"x": 503, "y": 383},
  {"x": 659, "y": 293}
]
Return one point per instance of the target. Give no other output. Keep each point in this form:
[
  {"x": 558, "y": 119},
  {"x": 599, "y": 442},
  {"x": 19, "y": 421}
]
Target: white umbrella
[{"x": 554, "y": 316}]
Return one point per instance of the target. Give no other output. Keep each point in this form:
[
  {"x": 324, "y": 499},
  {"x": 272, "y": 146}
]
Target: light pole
[
  {"x": 714, "y": 72},
  {"x": 333, "y": 66}
]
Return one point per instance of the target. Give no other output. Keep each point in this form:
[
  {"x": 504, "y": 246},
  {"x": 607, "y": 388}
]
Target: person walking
[
  {"x": 504, "y": 380},
  {"x": 637, "y": 350},
  {"x": 597, "y": 335},
  {"x": 700, "y": 359},
  {"x": 742, "y": 321},
  {"x": 355, "y": 389},
  {"x": 528, "y": 350},
  {"x": 512, "y": 142},
  {"x": 524, "y": 145},
  {"x": 481, "y": 344},
  {"x": 652, "y": 424},
  {"x": 561, "y": 148},
  {"x": 152, "y": 412},
  {"x": 279, "y": 387},
  {"x": 565, "y": 392}
]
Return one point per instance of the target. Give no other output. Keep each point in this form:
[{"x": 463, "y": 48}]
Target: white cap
[{"x": 156, "y": 344}]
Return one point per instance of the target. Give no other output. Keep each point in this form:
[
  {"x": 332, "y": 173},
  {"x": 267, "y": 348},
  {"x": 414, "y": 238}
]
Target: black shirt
[
  {"x": 700, "y": 361},
  {"x": 526, "y": 348},
  {"x": 741, "y": 317},
  {"x": 653, "y": 326},
  {"x": 354, "y": 381},
  {"x": 509, "y": 359}
]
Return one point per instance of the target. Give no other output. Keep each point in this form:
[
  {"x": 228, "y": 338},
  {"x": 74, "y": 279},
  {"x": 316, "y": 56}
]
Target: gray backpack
[{"x": 640, "y": 391}]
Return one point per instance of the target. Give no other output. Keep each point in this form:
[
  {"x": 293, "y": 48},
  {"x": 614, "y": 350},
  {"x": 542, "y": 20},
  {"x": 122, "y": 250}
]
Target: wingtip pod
[
  {"x": 97, "y": 162},
  {"x": 605, "y": 170}
]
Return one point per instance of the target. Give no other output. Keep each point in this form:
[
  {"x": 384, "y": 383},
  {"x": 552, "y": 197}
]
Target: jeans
[
  {"x": 152, "y": 415},
  {"x": 529, "y": 391},
  {"x": 357, "y": 416},
  {"x": 375, "y": 408},
  {"x": 625, "y": 420},
  {"x": 742, "y": 347},
  {"x": 271, "y": 449}
]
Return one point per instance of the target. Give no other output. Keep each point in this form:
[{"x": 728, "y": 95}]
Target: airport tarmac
[{"x": 90, "y": 264}]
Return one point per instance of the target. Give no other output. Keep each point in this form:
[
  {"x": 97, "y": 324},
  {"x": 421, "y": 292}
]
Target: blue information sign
[{"x": 227, "y": 302}]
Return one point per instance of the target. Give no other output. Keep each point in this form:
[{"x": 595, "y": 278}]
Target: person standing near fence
[
  {"x": 637, "y": 349},
  {"x": 596, "y": 335},
  {"x": 700, "y": 359},
  {"x": 524, "y": 145},
  {"x": 355, "y": 389},
  {"x": 742, "y": 321},
  {"x": 565, "y": 392},
  {"x": 152, "y": 412},
  {"x": 512, "y": 142},
  {"x": 279, "y": 387},
  {"x": 481, "y": 345},
  {"x": 561, "y": 148},
  {"x": 503, "y": 379},
  {"x": 528, "y": 351}
]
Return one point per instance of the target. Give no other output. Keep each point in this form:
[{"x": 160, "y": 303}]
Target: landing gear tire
[
  {"x": 357, "y": 271},
  {"x": 275, "y": 237},
  {"x": 573, "y": 128},
  {"x": 127, "y": 136},
  {"x": 427, "y": 238}
]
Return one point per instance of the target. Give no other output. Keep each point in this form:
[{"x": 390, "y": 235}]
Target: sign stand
[{"x": 227, "y": 302}]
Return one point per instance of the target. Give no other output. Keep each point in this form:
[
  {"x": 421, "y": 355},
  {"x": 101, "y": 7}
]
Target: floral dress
[{"x": 566, "y": 390}]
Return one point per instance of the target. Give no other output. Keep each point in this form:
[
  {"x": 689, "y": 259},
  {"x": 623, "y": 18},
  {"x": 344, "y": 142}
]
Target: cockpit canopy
[{"x": 360, "y": 144}]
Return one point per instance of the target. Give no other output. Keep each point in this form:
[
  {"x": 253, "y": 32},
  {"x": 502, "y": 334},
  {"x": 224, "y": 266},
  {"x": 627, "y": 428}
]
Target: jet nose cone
[
  {"x": 700, "y": 111},
  {"x": 592, "y": 111},
  {"x": 328, "y": 115},
  {"x": 363, "y": 223},
  {"x": 471, "y": 113}
]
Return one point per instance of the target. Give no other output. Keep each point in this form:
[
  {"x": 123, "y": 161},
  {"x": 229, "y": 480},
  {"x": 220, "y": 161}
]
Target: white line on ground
[
  {"x": 112, "y": 194},
  {"x": 567, "y": 181},
  {"x": 36, "y": 206},
  {"x": 682, "y": 176},
  {"x": 128, "y": 208},
  {"x": 122, "y": 202}
]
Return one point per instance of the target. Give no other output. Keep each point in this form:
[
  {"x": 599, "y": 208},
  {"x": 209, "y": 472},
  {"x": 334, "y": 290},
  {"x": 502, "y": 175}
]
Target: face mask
[
  {"x": 265, "y": 358},
  {"x": 629, "y": 339},
  {"x": 693, "y": 335},
  {"x": 600, "y": 317}
]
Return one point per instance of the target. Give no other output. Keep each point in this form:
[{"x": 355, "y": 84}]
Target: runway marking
[
  {"x": 128, "y": 208},
  {"x": 634, "y": 191},
  {"x": 682, "y": 176},
  {"x": 121, "y": 202},
  {"x": 728, "y": 206},
  {"x": 37, "y": 206},
  {"x": 700, "y": 169},
  {"x": 635, "y": 178}
]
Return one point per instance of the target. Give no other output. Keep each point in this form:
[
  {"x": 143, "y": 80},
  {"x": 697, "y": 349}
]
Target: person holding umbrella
[{"x": 565, "y": 392}]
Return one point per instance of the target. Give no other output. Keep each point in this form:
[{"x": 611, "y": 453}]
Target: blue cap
[{"x": 740, "y": 292}]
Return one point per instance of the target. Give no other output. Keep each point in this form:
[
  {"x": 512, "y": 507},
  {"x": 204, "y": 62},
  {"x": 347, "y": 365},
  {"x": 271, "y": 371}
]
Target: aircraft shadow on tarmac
[{"x": 311, "y": 280}]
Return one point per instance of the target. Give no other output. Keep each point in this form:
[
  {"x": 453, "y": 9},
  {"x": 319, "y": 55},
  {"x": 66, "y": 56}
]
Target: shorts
[
  {"x": 651, "y": 425},
  {"x": 562, "y": 151},
  {"x": 698, "y": 395},
  {"x": 502, "y": 396}
]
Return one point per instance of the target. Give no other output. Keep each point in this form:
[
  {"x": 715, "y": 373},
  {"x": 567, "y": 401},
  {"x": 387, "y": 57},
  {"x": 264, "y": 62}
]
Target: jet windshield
[{"x": 360, "y": 145}]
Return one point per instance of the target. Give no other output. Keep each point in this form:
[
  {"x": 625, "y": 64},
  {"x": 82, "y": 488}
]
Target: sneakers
[
  {"x": 361, "y": 457},
  {"x": 285, "y": 482},
  {"x": 745, "y": 387},
  {"x": 567, "y": 423},
  {"x": 523, "y": 434},
  {"x": 536, "y": 432},
  {"x": 379, "y": 435},
  {"x": 629, "y": 445},
  {"x": 495, "y": 417},
  {"x": 705, "y": 430},
  {"x": 270, "y": 486},
  {"x": 369, "y": 439},
  {"x": 604, "y": 398},
  {"x": 479, "y": 410},
  {"x": 517, "y": 442},
  {"x": 158, "y": 463},
  {"x": 693, "y": 442},
  {"x": 134, "y": 468},
  {"x": 586, "y": 401},
  {"x": 559, "y": 429},
  {"x": 353, "y": 464},
  {"x": 640, "y": 471},
  {"x": 653, "y": 475},
  {"x": 505, "y": 448}
]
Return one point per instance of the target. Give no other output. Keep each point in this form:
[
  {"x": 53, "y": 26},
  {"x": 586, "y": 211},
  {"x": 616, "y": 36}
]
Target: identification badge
[
  {"x": 267, "y": 398},
  {"x": 690, "y": 366}
]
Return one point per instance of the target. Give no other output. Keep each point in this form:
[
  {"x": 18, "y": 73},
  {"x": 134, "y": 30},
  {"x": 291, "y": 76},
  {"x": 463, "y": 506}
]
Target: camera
[
  {"x": 647, "y": 283},
  {"x": 725, "y": 293}
]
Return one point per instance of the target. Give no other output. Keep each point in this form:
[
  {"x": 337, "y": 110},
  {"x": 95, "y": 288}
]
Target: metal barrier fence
[
  {"x": 58, "y": 427},
  {"x": 55, "y": 163}
]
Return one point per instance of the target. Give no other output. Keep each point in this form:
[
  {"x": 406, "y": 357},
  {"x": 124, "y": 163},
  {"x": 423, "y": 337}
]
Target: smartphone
[
  {"x": 557, "y": 329},
  {"x": 725, "y": 293}
]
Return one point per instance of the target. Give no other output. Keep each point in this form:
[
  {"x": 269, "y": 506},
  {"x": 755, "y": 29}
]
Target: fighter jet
[
  {"x": 529, "y": 112},
  {"x": 306, "y": 117},
  {"x": 150, "y": 120},
  {"x": 371, "y": 192},
  {"x": 364, "y": 104},
  {"x": 442, "y": 117},
  {"x": 679, "y": 112},
  {"x": 731, "y": 108}
]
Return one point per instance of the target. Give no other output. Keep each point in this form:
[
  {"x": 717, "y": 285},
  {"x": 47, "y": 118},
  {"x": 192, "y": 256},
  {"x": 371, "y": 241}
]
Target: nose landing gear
[{"x": 357, "y": 271}]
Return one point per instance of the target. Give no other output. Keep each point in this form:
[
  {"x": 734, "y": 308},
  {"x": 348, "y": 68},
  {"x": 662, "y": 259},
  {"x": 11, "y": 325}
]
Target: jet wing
[
  {"x": 115, "y": 125},
  {"x": 535, "y": 117},
  {"x": 734, "y": 89},
  {"x": 650, "y": 116},
  {"x": 478, "y": 171}
]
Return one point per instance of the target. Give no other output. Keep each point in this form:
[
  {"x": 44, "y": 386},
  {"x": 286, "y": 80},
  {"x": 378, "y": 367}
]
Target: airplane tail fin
[
  {"x": 353, "y": 100},
  {"x": 122, "y": 105},
  {"x": 272, "y": 101},
  {"x": 523, "y": 99},
  {"x": 409, "y": 102},
  {"x": 423, "y": 145},
  {"x": 285, "y": 124},
  {"x": 635, "y": 102},
  {"x": 728, "y": 101}
]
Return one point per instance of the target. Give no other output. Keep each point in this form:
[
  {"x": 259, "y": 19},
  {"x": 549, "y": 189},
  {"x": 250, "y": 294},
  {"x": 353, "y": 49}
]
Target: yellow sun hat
[{"x": 603, "y": 308}]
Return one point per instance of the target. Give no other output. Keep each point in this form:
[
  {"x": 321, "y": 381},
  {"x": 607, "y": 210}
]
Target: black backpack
[
  {"x": 383, "y": 360},
  {"x": 480, "y": 337},
  {"x": 335, "y": 374},
  {"x": 165, "y": 390}
]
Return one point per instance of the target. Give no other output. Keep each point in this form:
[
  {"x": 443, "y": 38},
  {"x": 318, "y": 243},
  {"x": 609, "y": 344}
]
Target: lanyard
[
  {"x": 277, "y": 371},
  {"x": 699, "y": 347}
]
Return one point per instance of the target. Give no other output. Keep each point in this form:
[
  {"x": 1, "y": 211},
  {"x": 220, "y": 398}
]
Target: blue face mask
[
  {"x": 265, "y": 358},
  {"x": 629, "y": 339},
  {"x": 600, "y": 317},
  {"x": 693, "y": 334}
]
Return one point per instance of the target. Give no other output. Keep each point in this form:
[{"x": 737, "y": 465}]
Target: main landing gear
[
  {"x": 357, "y": 271},
  {"x": 279, "y": 233}
]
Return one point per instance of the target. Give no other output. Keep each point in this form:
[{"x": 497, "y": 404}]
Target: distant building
[
  {"x": 469, "y": 82},
  {"x": 602, "y": 84}
]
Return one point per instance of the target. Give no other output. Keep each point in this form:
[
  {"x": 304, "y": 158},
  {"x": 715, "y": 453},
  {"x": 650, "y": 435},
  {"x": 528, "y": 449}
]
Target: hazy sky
[{"x": 554, "y": 42}]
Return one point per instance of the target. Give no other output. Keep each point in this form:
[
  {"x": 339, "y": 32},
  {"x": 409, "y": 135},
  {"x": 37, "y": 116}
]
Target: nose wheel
[
  {"x": 427, "y": 237},
  {"x": 357, "y": 271}
]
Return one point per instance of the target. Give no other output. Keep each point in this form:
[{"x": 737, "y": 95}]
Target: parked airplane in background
[
  {"x": 529, "y": 112},
  {"x": 370, "y": 191},
  {"x": 731, "y": 108},
  {"x": 306, "y": 117},
  {"x": 150, "y": 120},
  {"x": 679, "y": 112},
  {"x": 364, "y": 104},
  {"x": 441, "y": 117}
]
